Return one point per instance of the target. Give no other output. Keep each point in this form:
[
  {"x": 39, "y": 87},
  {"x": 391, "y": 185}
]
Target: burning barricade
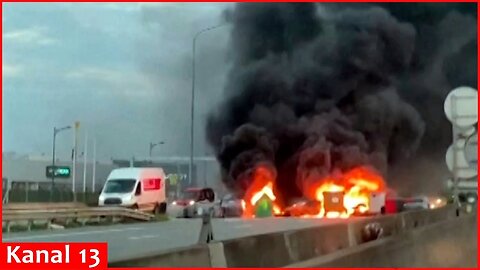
[
  {"x": 360, "y": 191},
  {"x": 259, "y": 199}
]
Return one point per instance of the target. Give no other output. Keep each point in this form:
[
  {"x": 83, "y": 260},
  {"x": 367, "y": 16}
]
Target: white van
[{"x": 137, "y": 188}]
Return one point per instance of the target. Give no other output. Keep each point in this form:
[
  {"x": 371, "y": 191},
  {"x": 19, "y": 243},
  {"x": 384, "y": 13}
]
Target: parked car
[{"x": 231, "y": 206}]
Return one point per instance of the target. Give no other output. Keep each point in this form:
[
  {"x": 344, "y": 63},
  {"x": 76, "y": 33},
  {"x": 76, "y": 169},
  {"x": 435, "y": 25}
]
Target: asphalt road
[{"x": 141, "y": 239}]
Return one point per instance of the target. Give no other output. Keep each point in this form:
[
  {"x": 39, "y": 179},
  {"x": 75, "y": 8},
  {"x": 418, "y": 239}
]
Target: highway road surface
[{"x": 142, "y": 239}]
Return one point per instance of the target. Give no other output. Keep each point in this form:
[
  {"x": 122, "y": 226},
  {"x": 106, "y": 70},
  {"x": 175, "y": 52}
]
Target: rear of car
[
  {"x": 194, "y": 202},
  {"x": 394, "y": 205},
  {"x": 417, "y": 203},
  {"x": 231, "y": 206}
]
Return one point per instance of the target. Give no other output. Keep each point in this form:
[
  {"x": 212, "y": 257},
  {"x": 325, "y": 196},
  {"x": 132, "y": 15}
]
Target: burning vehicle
[
  {"x": 303, "y": 208},
  {"x": 360, "y": 191},
  {"x": 325, "y": 107}
]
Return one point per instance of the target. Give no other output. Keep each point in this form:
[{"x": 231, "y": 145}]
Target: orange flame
[
  {"x": 266, "y": 190},
  {"x": 262, "y": 185},
  {"x": 357, "y": 185}
]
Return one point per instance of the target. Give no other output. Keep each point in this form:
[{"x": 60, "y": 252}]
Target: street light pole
[
  {"x": 192, "y": 106},
  {"x": 55, "y": 132},
  {"x": 53, "y": 164},
  {"x": 152, "y": 145}
]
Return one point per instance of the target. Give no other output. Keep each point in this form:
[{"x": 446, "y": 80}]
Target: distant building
[
  {"x": 23, "y": 170},
  {"x": 19, "y": 171}
]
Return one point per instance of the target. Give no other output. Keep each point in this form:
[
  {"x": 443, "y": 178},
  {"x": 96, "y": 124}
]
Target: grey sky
[{"x": 123, "y": 70}]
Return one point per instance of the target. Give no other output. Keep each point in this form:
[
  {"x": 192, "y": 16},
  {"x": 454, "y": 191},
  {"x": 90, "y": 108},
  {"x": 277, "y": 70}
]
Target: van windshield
[{"x": 119, "y": 185}]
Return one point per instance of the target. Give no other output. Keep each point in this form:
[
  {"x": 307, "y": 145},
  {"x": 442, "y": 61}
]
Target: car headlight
[
  {"x": 174, "y": 203},
  {"x": 191, "y": 203}
]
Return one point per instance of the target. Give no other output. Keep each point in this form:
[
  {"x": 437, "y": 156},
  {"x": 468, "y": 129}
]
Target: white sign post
[{"x": 461, "y": 110}]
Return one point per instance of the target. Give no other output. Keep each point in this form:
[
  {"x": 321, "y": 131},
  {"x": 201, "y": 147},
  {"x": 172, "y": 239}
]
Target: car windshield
[
  {"x": 119, "y": 185},
  {"x": 229, "y": 197}
]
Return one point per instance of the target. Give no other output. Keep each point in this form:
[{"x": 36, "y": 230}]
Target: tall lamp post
[
  {"x": 152, "y": 145},
  {"x": 55, "y": 132},
  {"x": 192, "y": 121}
]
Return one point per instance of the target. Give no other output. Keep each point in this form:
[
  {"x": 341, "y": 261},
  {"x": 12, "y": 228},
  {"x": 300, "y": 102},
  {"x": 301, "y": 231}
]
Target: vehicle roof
[
  {"x": 194, "y": 189},
  {"x": 136, "y": 173}
]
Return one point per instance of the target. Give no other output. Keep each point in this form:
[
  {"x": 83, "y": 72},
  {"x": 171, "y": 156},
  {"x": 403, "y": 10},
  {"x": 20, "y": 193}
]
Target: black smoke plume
[{"x": 322, "y": 88}]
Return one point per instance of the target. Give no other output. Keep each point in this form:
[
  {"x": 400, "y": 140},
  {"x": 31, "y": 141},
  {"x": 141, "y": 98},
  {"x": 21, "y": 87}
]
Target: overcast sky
[{"x": 122, "y": 70}]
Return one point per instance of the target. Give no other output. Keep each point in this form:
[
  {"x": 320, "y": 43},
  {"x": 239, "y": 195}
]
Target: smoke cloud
[{"x": 316, "y": 89}]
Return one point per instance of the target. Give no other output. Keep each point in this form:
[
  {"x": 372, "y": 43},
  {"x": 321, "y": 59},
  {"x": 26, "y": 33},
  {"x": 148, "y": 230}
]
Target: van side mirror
[{"x": 138, "y": 191}]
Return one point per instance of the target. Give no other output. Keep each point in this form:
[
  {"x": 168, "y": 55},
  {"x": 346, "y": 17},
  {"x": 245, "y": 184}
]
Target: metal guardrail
[
  {"x": 42, "y": 206},
  {"x": 85, "y": 213}
]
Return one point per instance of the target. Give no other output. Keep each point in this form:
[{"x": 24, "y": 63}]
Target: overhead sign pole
[
  {"x": 453, "y": 108},
  {"x": 55, "y": 131}
]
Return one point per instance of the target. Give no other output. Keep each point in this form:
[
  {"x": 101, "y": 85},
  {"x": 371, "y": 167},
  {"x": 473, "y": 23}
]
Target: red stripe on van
[{"x": 152, "y": 184}]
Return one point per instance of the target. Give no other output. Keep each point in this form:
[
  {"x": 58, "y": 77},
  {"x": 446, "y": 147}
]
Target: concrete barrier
[
  {"x": 391, "y": 225},
  {"x": 312, "y": 242},
  {"x": 449, "y": 243},
  {"x": 415, "y": 219},
  {"x": 336, "y": 244},
  {"x": 268, "y": 250},
  {"x": 197, "y": 256}
]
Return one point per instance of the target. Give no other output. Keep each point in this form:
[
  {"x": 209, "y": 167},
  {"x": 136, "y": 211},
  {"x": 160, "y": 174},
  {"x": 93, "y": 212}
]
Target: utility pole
[
  {"x": 85, "y": 164},
  {"x": 94, "y": 163},
  {"x": 74, "y": 160}
]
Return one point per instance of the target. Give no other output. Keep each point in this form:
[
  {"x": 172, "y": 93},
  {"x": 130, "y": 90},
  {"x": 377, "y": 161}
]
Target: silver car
[
  {"x": 231, "y": 206},
  {"x": 417, "y": 203}
]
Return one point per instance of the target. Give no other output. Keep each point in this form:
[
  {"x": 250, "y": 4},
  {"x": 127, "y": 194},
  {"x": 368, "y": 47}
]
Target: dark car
[{"x": 302, "y": 208}]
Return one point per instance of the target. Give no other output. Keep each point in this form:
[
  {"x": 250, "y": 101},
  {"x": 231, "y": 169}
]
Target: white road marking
[
  {"x": 243, "y": 226},
  {"x": 68, "y": 234},
  {"x": 143, "y": 237},
  {"x": 232, "y": 219}
]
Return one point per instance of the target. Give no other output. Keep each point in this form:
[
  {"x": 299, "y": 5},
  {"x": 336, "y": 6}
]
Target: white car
[
  {"x": 416, "y": 203},
  {"x": 194, "y": 202}
]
